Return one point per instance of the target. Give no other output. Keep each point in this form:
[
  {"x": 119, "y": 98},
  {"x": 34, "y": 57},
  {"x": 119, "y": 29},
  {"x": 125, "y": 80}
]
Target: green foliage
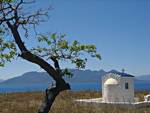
[
  {"x": 63, "y": 44},
  {"x": 7, "y": 50},
  {"x": 58, "y": 47},
  {"x": 67, "y": 72},
  {"x": 6, "y": 0}
]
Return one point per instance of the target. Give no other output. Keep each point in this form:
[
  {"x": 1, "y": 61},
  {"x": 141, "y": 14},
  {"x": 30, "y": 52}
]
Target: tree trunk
[{"x": 50, "y": 95}]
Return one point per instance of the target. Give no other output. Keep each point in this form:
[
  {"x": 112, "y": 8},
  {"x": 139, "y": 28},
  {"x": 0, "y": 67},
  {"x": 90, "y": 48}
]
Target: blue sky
[{"x": 120, "y": 30}]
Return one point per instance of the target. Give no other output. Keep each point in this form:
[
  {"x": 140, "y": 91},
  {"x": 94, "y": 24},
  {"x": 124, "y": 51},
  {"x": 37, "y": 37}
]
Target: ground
[{"x": 29, "y": 102}]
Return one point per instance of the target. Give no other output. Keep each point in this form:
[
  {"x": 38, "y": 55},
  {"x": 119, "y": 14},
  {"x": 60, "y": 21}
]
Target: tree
[{"x": 51, "y": 47}]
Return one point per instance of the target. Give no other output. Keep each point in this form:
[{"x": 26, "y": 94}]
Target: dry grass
[{"x": 29, "y": 102}]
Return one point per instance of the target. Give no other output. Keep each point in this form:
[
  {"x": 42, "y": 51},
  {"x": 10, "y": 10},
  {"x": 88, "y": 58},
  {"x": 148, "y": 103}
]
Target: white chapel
[{"x": 117, "y": 87}]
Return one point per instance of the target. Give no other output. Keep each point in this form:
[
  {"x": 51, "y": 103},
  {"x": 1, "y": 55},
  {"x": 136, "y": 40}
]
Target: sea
[{"x": 74, "y": 87}]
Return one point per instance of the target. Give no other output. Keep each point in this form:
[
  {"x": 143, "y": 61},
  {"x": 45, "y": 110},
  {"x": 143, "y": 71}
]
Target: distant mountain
[
  {"x": 29, "y": 78},
  {"x": 144, "y": 77},
  {"x": 86, "y": 76},
  {"x": 1, "y": 80},
  {"x": 80, "y": 76},
  {"x": 44, "y": 78}
]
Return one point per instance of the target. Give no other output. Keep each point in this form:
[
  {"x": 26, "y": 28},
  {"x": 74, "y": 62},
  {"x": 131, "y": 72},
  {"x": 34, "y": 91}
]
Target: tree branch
[
  {"x": 56, "y": 64},
  {"x": 31, "y": 57}
]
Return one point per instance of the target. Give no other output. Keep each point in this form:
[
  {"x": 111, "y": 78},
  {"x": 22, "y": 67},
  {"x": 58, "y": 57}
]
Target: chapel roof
[
  {"x": 111, "y": 81},
  {"x": 122, "y": 74}
]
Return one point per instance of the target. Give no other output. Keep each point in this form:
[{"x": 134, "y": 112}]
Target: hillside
[
  {"x": 80, "y": 76},
  {"x": 1, "y": 80},
  {"x": 43, "y": 77},
  {"x": 144, "y": 77},
  {"x": 82, "y": 80},
  {"x": 29, "y": 78}
]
